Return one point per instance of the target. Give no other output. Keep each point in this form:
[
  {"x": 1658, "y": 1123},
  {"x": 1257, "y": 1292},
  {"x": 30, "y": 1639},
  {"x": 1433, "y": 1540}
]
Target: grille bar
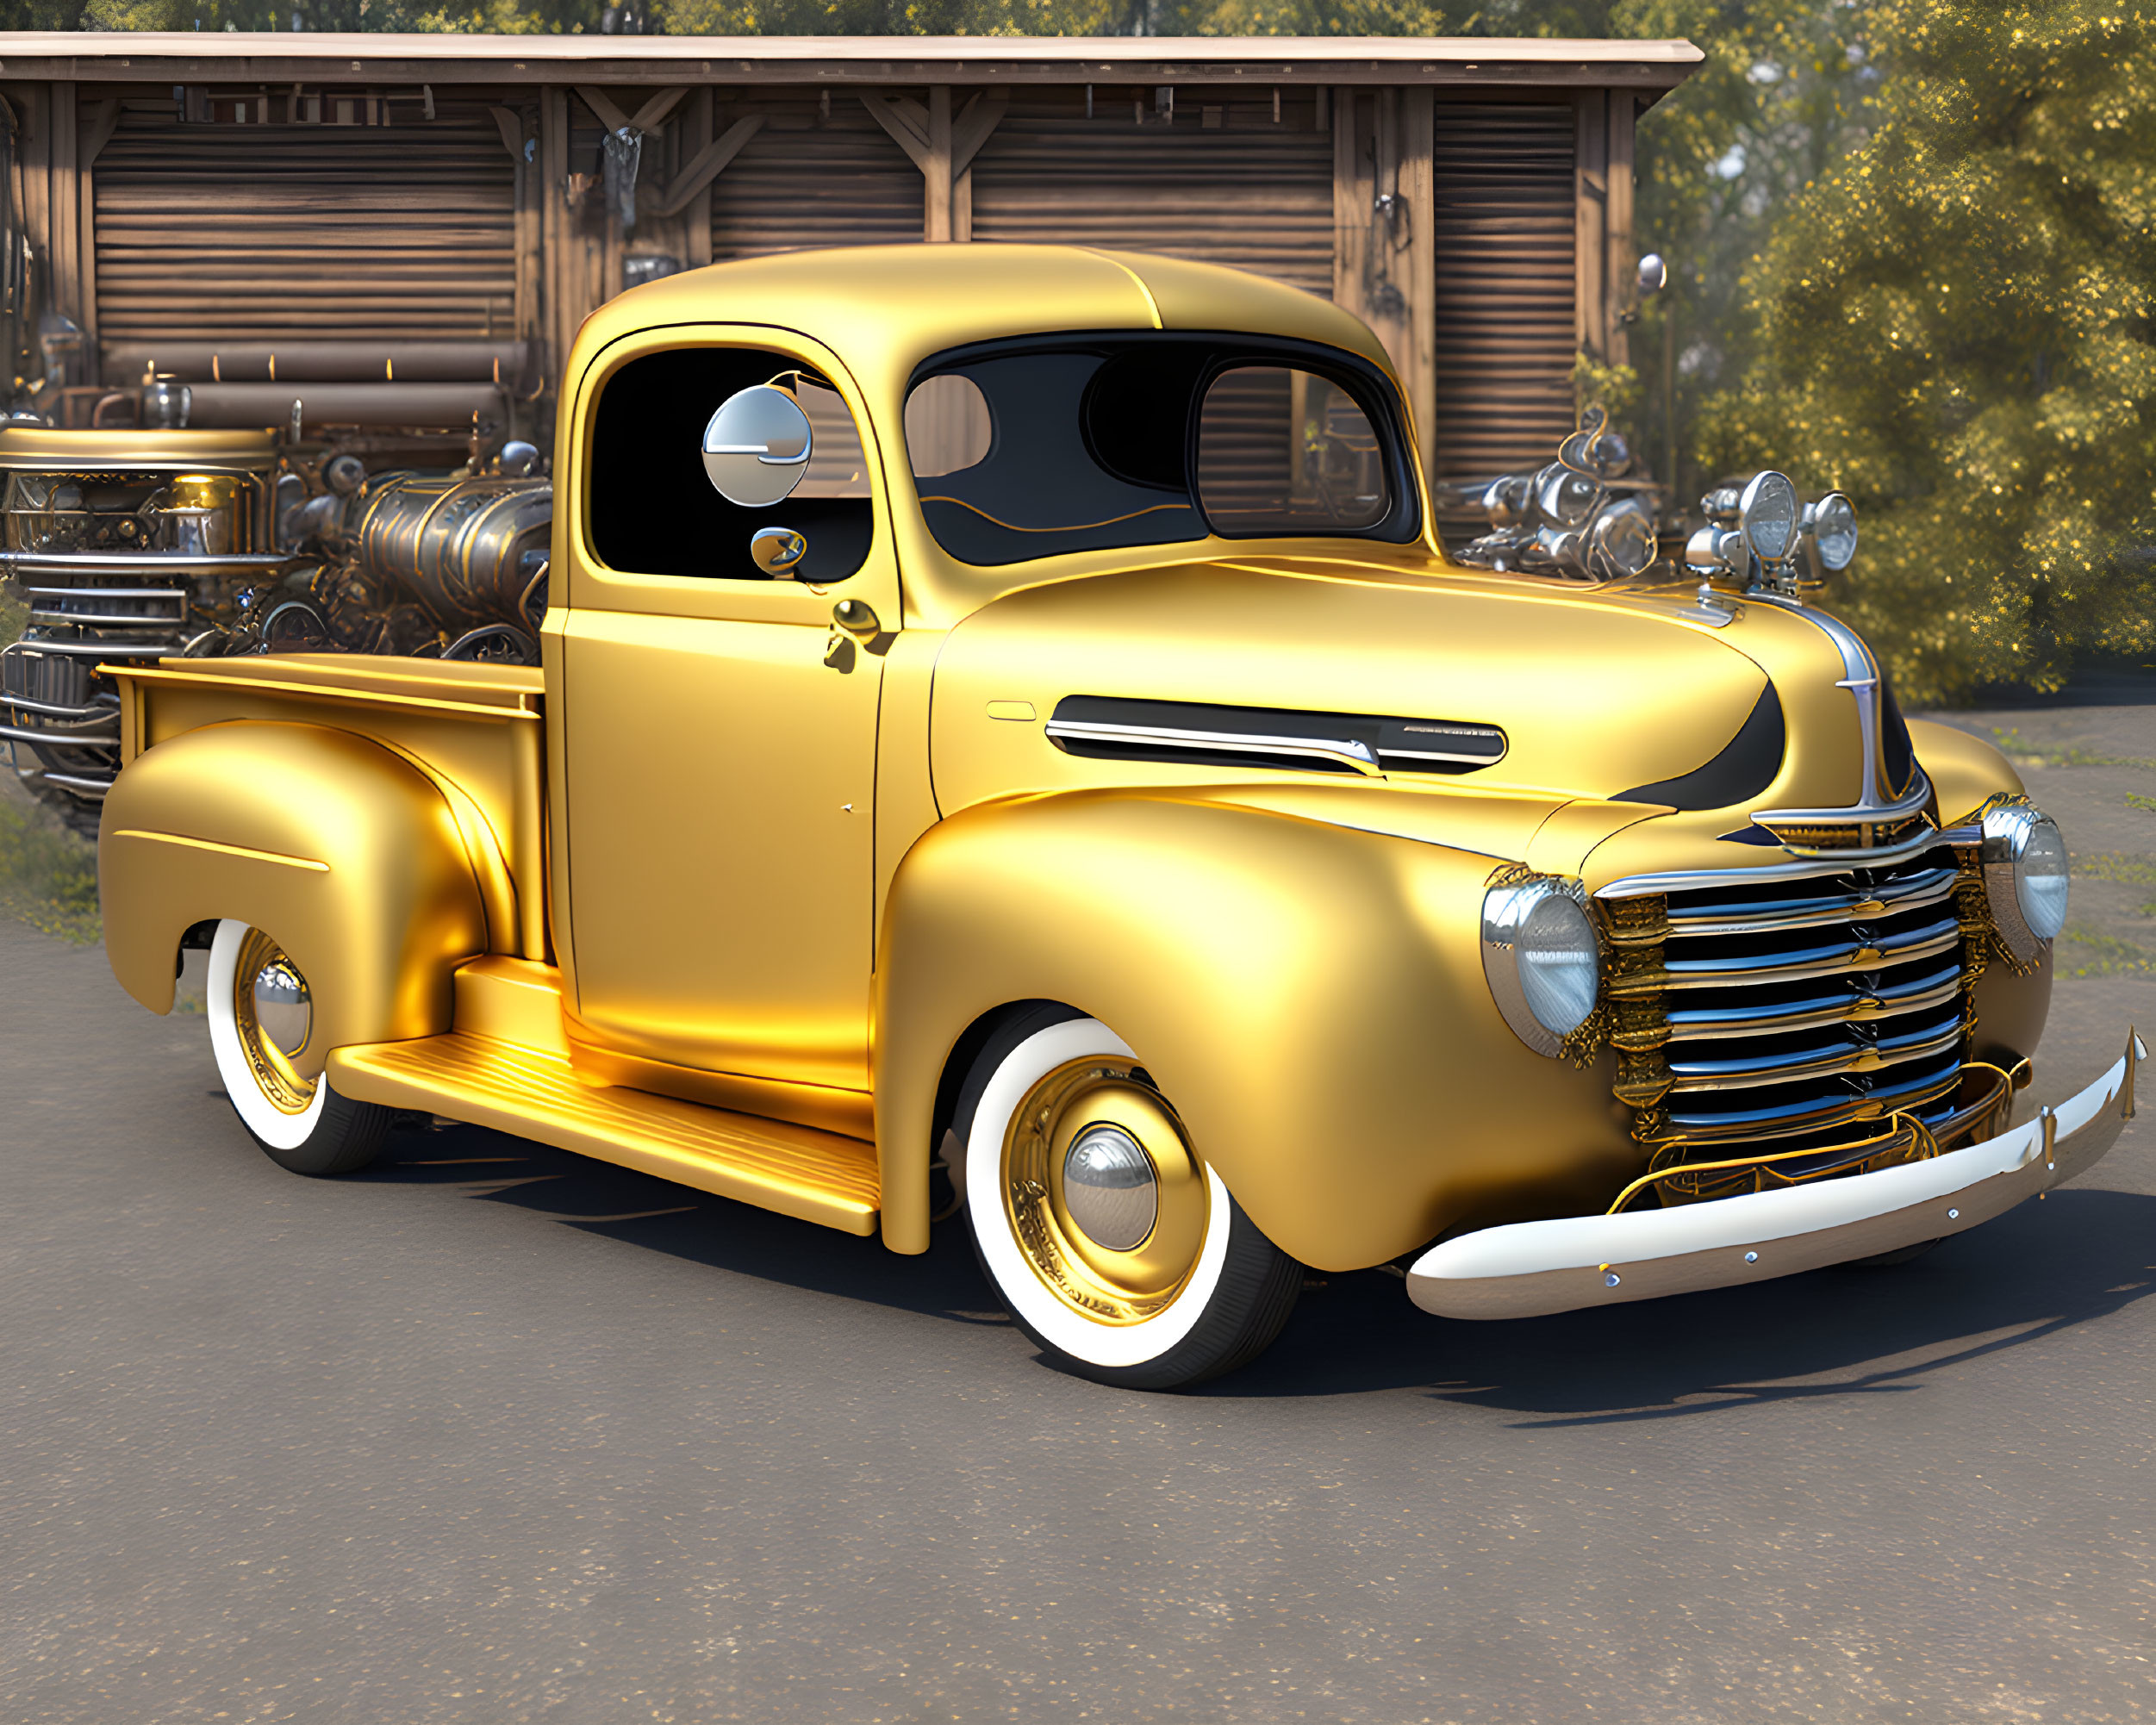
[{"x": 1765, "y": 1005}]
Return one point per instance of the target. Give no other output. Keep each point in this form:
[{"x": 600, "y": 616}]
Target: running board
[{"x": 795, "y": 1170}]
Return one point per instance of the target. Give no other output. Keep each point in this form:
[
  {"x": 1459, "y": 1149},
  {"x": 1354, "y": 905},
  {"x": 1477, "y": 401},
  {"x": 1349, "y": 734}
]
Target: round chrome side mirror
[
  {"x": 756, "y": 446},
  {"x": 1654, "y": 274}
]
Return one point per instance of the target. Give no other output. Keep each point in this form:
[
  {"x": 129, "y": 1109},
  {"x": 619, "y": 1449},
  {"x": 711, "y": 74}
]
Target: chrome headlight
[
  {"x": 1621, "y": 542},
  {"x": 2024, "y": 879},
  {"x": 1767, "y": 516},
  {"x": 1830, "y": 525},
  {"x": 1541, "y": 956}
]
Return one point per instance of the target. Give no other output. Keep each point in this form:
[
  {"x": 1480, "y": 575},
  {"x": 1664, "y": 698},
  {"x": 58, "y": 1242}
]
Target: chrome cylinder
[{"x": 463, "y": 549}]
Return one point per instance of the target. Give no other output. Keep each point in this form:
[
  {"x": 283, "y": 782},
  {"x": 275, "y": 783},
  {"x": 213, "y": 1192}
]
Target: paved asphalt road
[{"x": 492, "y": 1434}]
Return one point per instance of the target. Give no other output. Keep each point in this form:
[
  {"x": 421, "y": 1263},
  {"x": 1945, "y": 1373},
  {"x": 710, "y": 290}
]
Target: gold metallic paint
[
  {"x": 377, "y": 933},
  {"x": 1310, "y": 996},
  {"x": 472, "y": 730},
  {"x": 816, "y": 1176}
]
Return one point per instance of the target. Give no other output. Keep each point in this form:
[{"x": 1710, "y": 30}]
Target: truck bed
[{"x": 477, "y": 730}]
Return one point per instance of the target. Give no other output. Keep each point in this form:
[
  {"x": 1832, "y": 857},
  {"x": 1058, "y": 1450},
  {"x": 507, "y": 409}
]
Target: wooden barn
[{"x": 406, "y": 230}]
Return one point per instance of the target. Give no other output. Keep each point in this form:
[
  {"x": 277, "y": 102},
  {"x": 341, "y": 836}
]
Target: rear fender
[
  {"x": 342, "y": 852},
  {"x": 1310, "y": 997}
]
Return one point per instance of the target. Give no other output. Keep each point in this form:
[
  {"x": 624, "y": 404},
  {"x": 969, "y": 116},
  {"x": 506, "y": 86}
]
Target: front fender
[
  {"x": 344, "y": 854},
  {"x": 1310, "y": 997}
]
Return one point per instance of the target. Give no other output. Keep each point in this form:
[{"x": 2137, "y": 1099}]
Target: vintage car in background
[{"x": 1008, "y": 739}]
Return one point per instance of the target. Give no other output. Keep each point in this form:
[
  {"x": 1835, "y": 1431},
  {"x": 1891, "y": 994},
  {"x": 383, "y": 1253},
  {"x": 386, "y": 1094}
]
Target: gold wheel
[
  {"x": 273, "y": 1014},
  {"x": 1107, "y": 1203}
]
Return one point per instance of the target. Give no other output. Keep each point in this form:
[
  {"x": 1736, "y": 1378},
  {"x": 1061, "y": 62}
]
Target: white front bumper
[{"x": 1529, "y": 1268}]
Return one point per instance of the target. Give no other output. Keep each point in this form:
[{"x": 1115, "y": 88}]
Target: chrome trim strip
[
  {"x": 1750, "y": 1075},
  {"x": 1923, "y": 943},
  {"x": 30, "y": 733},
  {"x": 179, "y": 593},
  {"x": 1890, "y": 899},
  {"x": 69, "y": 781},
  {"x": 102, "y": 649},
  {"x": 101, "y": 620},
  {"x": 1808, "y": 868},
  {"x": 1812, "y": 1115},
  {"x": 22, "y": 564},
  {"x": 22, "y": 703},
  {"x": 1912, "y": 801},
  {"x": 1703, "y": 1025},
  {"x": 1345, "y": 751}
]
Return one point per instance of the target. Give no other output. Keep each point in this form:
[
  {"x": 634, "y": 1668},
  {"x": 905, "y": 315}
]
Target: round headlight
[
  {"x": 1542, "y": 961},
  {"x": 1832, "y": 524},
  {"x": 2025, "y": 878},
  {"x": 1767, "y": 516}
]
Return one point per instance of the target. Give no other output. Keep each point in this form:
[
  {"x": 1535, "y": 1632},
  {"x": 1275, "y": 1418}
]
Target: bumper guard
[{"x": 1528, "y": 1269}]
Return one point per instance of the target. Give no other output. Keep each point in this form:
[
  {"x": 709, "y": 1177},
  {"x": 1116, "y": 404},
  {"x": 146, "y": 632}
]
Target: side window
[
  {"x": 660, "y": 450},
  {"x": 1284, "y": 450}
]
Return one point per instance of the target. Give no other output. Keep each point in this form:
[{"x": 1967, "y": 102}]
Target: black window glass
[
  {"x": 1029, "y": 449},
  {"x": 1284, "y": 450},
  {"x": 654, "y": 509}
]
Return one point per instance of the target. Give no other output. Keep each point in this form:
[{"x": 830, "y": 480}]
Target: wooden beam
[
  {"x": 706, "y": 165},
  {"x": 1350, "y": 204},
  {"x": 652, "y": 114},
  {"x": 905, "y": 119},
  {"x": 982, "y": 114},
  {"x": 602, "y": 104}
]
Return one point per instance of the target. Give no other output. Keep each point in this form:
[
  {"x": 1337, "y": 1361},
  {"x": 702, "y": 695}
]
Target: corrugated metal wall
[
  {"x": 1243, "y": 191},
  {"x": 805, "y": 180},
  {"x": 1507, "y": 334},
  {"x": 211, "y": 232}
]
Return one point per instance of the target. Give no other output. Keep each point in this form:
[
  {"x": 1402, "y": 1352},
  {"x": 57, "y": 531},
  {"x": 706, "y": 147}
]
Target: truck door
[{"x": 716, "y": 735}]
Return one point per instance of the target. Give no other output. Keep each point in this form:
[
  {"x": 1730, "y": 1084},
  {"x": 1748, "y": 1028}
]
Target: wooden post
[
  {"x": 936, "y": 169},
  {"x": 1591, "y": 194},
  {"x": 1350, "y": 204},
  {"x": 1620, "y": 261},
  {"x": 1418, "y": 185},
  {"x": 62, "y": 203},
  {"x": 96, "y": 124},
  {"x": 563, "y": 310},
  {"x": 701, "y": 129}
]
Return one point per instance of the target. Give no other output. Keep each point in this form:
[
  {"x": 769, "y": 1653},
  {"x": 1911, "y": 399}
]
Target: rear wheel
[
  {"x": 1112, "y": 1244},
  {"x": 263, "y": 1033}
]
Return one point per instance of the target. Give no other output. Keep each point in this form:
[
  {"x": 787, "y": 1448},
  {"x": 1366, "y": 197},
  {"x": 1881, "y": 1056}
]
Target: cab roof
[{"x": 885, "y": 308}]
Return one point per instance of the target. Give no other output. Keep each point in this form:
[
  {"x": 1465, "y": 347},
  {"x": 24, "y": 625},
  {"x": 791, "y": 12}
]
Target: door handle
[
  {"x": 852, "y": 622},
  {"x": 854, "y": 618}
]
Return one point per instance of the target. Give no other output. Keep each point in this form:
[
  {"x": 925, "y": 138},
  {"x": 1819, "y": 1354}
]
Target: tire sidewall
[
  {"x": 1048, "y": 1320},
  {"x": 272, "y": 1128}
]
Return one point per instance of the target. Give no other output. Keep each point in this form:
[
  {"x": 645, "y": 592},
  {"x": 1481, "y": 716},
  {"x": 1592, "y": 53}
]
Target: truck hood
[{"x": 1609, "y": 697}]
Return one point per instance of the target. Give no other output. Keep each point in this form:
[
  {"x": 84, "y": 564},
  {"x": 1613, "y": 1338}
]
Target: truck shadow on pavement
[{"x": 2080, "y": 1254}]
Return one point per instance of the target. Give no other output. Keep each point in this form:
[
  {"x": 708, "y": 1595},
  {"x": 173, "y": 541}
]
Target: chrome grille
[{"x": 1750, "y": 1009}]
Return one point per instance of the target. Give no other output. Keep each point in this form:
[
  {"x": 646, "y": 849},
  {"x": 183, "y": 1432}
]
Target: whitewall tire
[
  {"x": 262, "y": 1033},
  {"x": 1114, "y": 1246}
]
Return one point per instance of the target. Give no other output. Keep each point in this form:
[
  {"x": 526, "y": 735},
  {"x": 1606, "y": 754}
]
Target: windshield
[{"x": 1029, "y": 449}]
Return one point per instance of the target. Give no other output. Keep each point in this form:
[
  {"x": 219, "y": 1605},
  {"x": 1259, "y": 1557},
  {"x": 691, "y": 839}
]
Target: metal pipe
[
  {"x": 299, "y": 361},
  {"x": 450, "y": 406}
]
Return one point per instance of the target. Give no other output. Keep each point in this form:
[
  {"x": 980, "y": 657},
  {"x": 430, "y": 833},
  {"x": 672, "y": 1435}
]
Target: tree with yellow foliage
[{"x": 1953, "y": 325}]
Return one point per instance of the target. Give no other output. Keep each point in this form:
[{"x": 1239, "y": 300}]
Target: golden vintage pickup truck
[{"x": 1009, "y": 739}]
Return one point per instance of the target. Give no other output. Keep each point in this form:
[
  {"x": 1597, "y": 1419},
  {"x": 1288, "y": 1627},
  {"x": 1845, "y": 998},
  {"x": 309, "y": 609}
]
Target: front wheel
[
  {"x": 262, "y": 1031},
  {"x": 1112, "y": 1244}
]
